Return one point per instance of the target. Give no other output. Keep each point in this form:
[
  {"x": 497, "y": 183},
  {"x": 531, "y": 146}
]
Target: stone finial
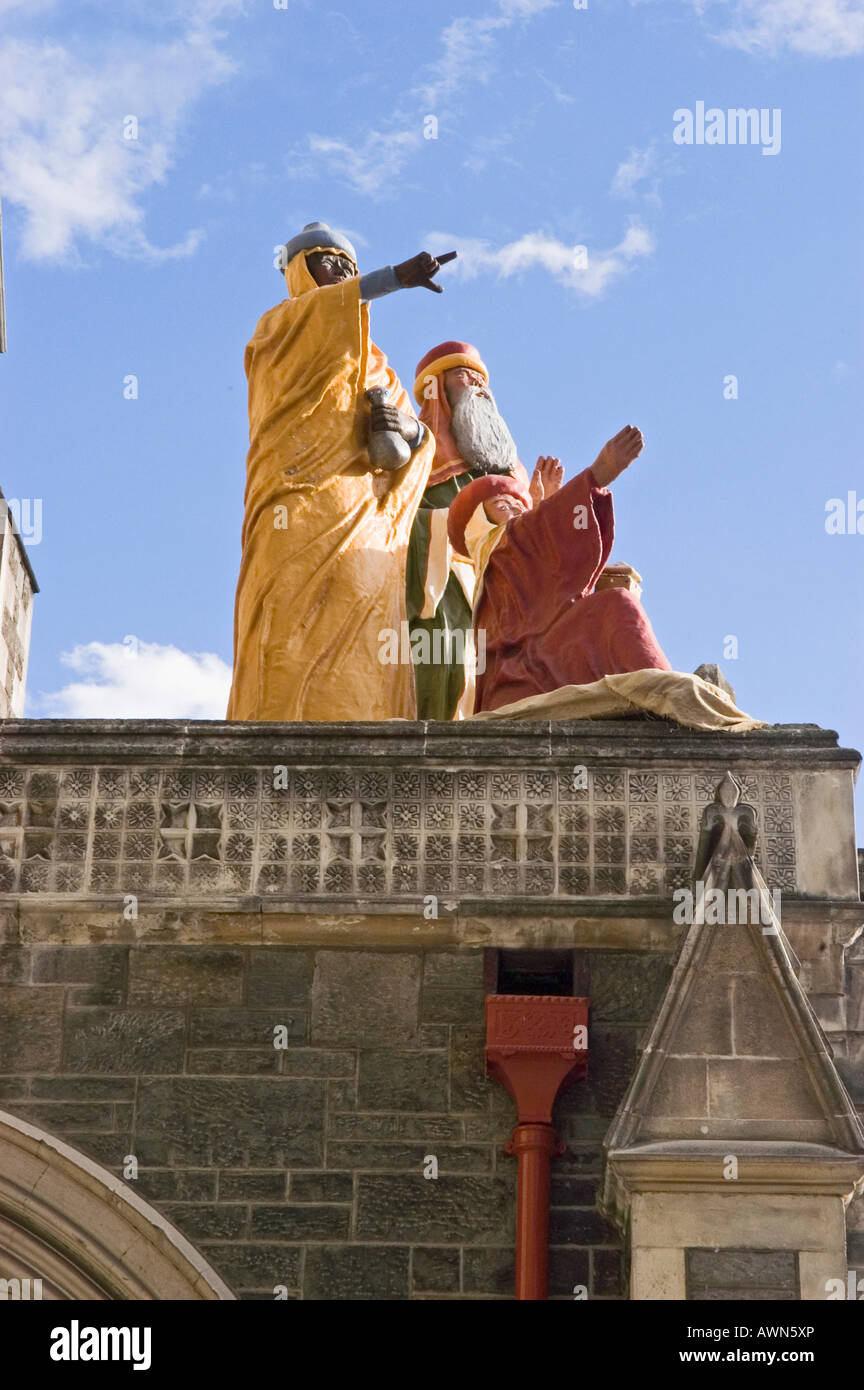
[
  {"x": 728, "y": 790},
  {"x": 709, "y": 671},
  {"x": 728, "y": 830}
]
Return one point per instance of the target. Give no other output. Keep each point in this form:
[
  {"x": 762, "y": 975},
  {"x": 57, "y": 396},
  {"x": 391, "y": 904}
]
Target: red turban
[
  {"x": 463, "y": 507},
  {"x": 435, "y": 413}
]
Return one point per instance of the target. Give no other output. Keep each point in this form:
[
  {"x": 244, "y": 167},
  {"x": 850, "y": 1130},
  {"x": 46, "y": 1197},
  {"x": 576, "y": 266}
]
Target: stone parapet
[{"x": 383, "y": 815}]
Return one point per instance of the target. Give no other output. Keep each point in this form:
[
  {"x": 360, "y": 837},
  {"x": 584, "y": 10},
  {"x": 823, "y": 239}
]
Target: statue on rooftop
[
  {"x": 537, "y": 556},
  {"x": 325, "y": 529},
  {"x": 471, "y": 441}
]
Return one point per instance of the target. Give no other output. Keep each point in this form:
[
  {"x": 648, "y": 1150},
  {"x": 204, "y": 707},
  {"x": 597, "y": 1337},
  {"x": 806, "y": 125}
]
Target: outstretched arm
[
  {"x": 418, "y": 271},
  {"x": 617, "y": 454}
]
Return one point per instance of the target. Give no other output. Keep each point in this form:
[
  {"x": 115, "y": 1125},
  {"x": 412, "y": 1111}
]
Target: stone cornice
[
  {"x": 693, "y": 1166},
  {"x": 631, "y": 741}
]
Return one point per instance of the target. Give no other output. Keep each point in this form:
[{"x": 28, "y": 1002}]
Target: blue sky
[{"x": 154, "y": 258}]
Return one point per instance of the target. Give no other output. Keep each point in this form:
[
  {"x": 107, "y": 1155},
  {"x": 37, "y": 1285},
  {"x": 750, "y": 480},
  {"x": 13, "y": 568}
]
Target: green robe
[{"x": 438, "y": 684}]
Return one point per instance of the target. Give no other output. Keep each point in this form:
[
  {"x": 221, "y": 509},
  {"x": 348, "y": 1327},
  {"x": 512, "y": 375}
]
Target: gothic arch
[{"x": 83, "y": 1232}]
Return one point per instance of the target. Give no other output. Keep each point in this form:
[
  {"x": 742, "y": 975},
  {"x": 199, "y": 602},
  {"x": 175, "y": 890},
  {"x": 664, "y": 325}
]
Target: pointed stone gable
[{"x": 736, "y": 1052}]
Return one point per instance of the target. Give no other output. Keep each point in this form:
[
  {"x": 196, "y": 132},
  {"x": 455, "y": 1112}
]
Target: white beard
[{"x": 481, "y": 436}]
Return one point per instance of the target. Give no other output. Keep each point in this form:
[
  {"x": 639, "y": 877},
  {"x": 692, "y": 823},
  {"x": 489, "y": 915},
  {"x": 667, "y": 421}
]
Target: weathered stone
[
  {"x": 453, "y": 970},
  {"x": 12, "y": 1088},
  {"x": 429, "y": 1127},
  {"x": 403, "y": 1081},
  {"x": 365, "y": 998},
  {"x": 57, "y": 1117},
  {"x": 137, "y": 1041},
  {"x": 453, "y": 1209},
  {"x": 489, "y": 1271},
  {"x": 434, "y": 1269},
  {"x": 469, "y": 1088},
  {"x": 313, "y": 1061},
  {"x": 761, "y": 1027},
  {"x": 461, "y": 1007},
  {"x": 322, "y": 1187},
  {"x": 14, "y": 963},
  {"x": 341, "y": 1095},
  {"x": 568, "y": 1270},
  {"x": 242, "y": 1027},
  {"x": 607, "y": 1273},
  {"x": 481, "y": 1127},
  {"x": 252, "y": 1185},
  {"x": 734, "y": 1296},
  {"x": 611, "y": 1061},
  {"x": 176, "y": 1185},
  {"x": 743, "y": 1269},
  {"x": 31, "y": 1020},
  {"x": 580, "y": 1226},
  {"x": 83, "y": 1087},
  {"x": 731, "y": 951},
  {"x": 110, "y": 1150},
  {"x": 682, "y": 1088},
  {"x": 232, "y": 1061},
  {"x": 185, "y": 975},
  {"x": 626, "y": 986},
  {"x": 207, "y": 1220},
  {"x": 246, "y": 1265},
  {"x": 279, "y": 975},
  {"x": 452, "y": 1158},
  {"x": 356, "y": 1272},
  {"x": 707, "y": 1022},
  {"x": 757, "y": 1088},
  {"x": 710, "y": 671},
  {"x": 244, "y": 1122},
  {"x": 98, "y": 972},
  {"x": 301, "y": 1222},
  {"x": 348, "y": 1126},
  {"x": 572, "y": 1192}
]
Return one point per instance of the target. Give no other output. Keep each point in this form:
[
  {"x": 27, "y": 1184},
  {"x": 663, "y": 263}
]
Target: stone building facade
[
  {"x": 17, "y": 587},
  {"x": 244, "y": 967}
]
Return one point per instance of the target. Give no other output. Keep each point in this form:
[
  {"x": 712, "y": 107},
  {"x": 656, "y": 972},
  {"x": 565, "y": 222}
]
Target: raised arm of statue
[{"x": 617, "y": 454}]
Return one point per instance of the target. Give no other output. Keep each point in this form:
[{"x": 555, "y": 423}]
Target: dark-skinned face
[{"x": 330, "y": 267}]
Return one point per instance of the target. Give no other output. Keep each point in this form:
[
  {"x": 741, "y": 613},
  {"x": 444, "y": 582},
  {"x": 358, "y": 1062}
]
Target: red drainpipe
[{"x": 534, "y": 1043}]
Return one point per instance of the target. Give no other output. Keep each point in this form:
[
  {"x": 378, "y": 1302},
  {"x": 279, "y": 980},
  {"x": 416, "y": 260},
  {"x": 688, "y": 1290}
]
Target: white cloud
[
  {"x": 466, "y": 47},
  {"x": 813, "y": 28},
  {"x": 139, "y": 680},
  {"x": 64, "y": 161},
  {"x": 370, "y": 163},
  {"x": 639, "y": 165},
  {"x": 369, "y": 166},
  {"x": 816, "y": 28},
  {"x": 589, "y": 276}
]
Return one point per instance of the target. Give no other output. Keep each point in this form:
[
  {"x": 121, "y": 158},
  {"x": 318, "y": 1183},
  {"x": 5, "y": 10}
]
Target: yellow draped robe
[{"x": 322, "y": 573}]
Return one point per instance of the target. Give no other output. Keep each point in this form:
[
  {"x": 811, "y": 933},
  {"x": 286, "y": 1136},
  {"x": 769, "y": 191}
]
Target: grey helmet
[{"x": 316, "y": 234}]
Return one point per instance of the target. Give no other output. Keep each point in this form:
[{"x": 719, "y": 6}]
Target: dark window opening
[{"x": 530, "y": 972}]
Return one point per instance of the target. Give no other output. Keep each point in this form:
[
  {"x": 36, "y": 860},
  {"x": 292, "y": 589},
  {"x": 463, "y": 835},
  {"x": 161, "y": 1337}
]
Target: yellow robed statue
[{"x": 325, "y": 532}]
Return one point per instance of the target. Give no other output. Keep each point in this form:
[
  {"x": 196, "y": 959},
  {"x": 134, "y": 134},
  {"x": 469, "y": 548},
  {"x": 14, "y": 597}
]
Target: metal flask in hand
[{"x": 387, "y": 449}]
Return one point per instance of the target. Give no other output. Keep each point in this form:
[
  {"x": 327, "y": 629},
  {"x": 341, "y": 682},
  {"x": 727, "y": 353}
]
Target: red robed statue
[{"x": 537, "y": 559}]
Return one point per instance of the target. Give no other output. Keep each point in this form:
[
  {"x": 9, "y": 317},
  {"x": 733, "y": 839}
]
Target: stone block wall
[
  {"x": 303, "y": 1166},
  {"x": 731, "y": 1275},
  {"x": 17, "y": 587},
  {"x": 171, "y": 893}
]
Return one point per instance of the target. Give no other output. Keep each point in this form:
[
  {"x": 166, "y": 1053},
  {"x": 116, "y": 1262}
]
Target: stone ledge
[
  {"x": 101, "y": 740},
  {"x": 333, "y": 817}
]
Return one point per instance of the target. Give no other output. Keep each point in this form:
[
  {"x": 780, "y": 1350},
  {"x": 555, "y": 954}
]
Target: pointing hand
[{"x": 420, "y": 269}]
